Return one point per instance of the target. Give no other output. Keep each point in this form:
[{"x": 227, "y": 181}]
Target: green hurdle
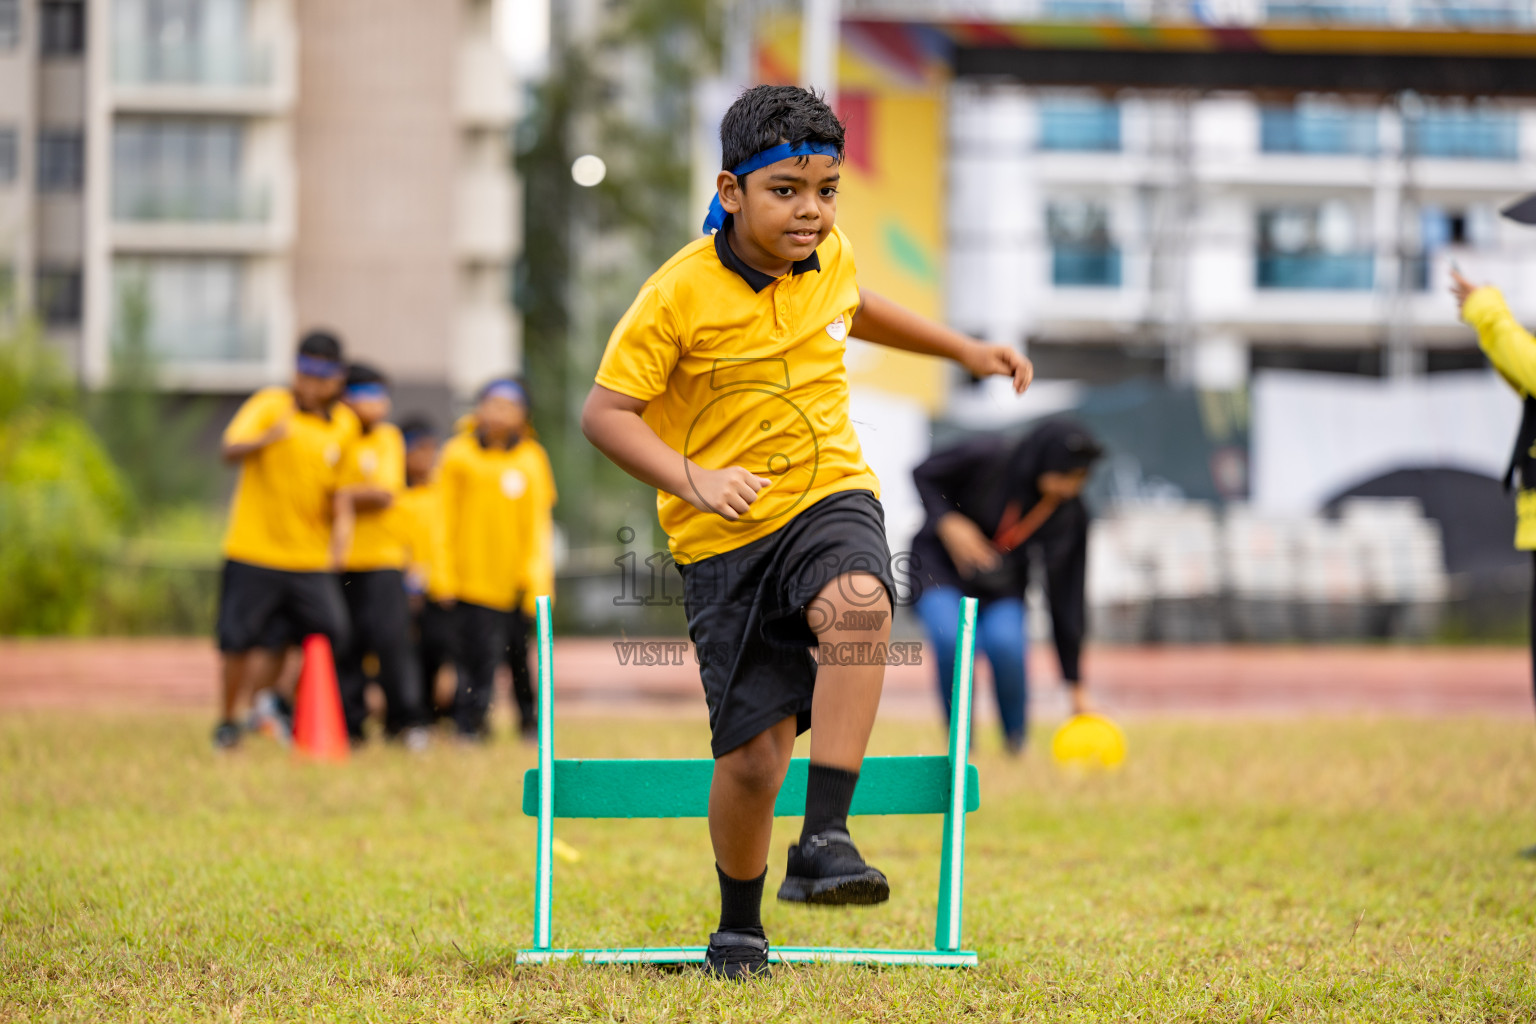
[{"x": 679, "y": 788}]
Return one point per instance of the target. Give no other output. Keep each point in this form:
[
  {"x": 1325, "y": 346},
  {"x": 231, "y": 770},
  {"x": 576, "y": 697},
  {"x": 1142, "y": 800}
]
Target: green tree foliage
[
  {"x": 62, "y": 501},
  {"x": 150, "y": 434},
  {"x": 588, "y": 250}
]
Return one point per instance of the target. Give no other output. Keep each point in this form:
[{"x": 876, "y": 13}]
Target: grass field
[{"x": 1289, "y": 870}]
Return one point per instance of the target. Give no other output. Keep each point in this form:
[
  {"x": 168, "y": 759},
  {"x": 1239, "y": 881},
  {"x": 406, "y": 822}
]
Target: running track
[{"x": 589, "y": 679}]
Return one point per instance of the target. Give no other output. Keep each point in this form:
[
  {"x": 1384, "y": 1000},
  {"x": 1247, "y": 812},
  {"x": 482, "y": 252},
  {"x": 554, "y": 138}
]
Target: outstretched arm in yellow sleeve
[{"x": 1509, "y": 346}]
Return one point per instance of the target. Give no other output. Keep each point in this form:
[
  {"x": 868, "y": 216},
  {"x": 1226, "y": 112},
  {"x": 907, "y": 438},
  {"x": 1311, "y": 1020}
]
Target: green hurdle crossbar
[{"x": 679, "y": 788}]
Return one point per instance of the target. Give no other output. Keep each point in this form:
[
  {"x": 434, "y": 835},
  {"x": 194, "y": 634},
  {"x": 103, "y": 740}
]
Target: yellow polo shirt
[
  {"x": 419, "y": 512},
  {"x": 496, "y": 508},
  {"x": 741, "y": 369},
  {"x": 376, "y": 460},
  {"x": 280, "y": 517},
  {"x": 1512, "y": 351}
]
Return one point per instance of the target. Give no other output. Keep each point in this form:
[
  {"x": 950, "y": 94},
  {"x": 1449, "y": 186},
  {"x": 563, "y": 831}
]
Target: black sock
[
  {"x": 741, "y": 903},
  {"x": 828, "y": 795}
]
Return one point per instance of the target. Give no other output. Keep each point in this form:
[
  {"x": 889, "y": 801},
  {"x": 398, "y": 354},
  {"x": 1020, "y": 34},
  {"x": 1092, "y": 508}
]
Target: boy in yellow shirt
[
  {"x": 280, "y": 549},
  {"x": 373, "y": 579},
  {"x": 430, "y": 579},
  {"x": 497, "y": 494},
  {"x": 724, "y": 388}
]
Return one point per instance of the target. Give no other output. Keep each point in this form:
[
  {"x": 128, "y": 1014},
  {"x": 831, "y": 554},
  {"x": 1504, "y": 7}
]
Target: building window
[
  {"x": 10, "y": 24},
  {"x": 1475, "y": 132},
  {"x": 1318, "y": 127},
  {"x": 185, "y": 41},
  {"x": 169, "y": 168},
  {"x": 58, "y": 296},
  {"x": 192, "y": 306},
  {"x": 9, "y": 157},
  {"x": 1083, "y": 254},
  {"x": 1322, "y": 12},
  {"x": 62, "y": 28},
  {"x": 60, "y": 160},
  {"x": 1442, "y": 228},
  {"x": 1089, "y": 124},
  {"x": 1313, "y": 247}
]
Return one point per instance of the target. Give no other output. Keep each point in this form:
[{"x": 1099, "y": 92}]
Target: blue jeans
[{"x": 1000, "y": 635}]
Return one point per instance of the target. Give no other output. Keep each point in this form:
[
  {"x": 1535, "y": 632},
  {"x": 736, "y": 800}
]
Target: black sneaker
[
  {"x": 1529, "y": 853},
  {"x": 736, "y": 956},
  {"x": 827, "y": 869},
  {"x": 226, "y": 736}
]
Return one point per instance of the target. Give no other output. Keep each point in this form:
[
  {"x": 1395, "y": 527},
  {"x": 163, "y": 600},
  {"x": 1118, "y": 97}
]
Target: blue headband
[
  {"x": 508, "y": 389},
  {"x": 316, "y": 366},
  {"x": 364, "y": 392},
  {"x": 783, "y": 151}
]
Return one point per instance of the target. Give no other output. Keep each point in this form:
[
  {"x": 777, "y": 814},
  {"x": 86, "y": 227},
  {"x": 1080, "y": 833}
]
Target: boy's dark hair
[
  {"x": 416, "y": 428},
  {"x": 766, "y": 115},
  {"x": 321, "y": 345},
  {"x": 362, "y": 373}
]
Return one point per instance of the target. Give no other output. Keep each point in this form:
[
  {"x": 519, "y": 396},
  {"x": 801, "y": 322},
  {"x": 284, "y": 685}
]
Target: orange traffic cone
[{"x": 319, "y": 728}]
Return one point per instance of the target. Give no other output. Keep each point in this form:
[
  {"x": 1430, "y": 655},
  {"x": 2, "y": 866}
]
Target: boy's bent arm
[
  {"x": 611, "y": 421},
  {"x": 1509, "y": 347},
  {"x": 883, "y": 322}
]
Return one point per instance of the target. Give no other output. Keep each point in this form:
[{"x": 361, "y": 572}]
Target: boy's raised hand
[
  {"x": 727, "y": 492},
  {"x": 1461, "y": 288},
  {"x": 983, "y": 360}
]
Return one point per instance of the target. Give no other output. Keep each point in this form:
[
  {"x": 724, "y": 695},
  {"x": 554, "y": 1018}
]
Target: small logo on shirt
[
  {"x": 838, "y": 329},
  {"x": 513, "y": 484},
  {"x": 332, "y": 454},
  {"x": 368, "y": 462}
]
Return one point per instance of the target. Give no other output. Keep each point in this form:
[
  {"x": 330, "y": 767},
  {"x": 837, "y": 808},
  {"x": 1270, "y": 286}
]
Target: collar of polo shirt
[{"x": 754, "y": 277}]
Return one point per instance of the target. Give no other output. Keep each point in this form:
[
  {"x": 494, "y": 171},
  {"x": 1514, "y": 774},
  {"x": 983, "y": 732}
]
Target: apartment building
[
  {"x": 1211, "y": 235},
  {"x": 223, "y": 174}
]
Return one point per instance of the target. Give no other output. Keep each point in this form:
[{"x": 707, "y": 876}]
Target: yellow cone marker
[
  {"x": 564, "y": 850},
  {"x": 1088, "y": 741}
]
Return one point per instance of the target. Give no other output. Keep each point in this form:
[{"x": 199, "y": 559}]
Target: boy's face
[
  {"x": 372, "y": 410},
  {"x": 786, "y": 209},
  {"x": 316, "y": 392},
  {"x": 500, "y": 417},
  {"x": 420, "y": 457}
]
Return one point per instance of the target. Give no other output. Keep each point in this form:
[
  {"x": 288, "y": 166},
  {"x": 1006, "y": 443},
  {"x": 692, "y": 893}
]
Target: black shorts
[
  {"x": 270, "y": 608},
  {"x": 747, "y": 612}
]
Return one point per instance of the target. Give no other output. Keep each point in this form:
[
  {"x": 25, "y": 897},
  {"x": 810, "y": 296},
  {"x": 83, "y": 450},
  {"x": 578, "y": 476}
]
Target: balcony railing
[
  {"x": 1287, "y": 130},
  {"x": 1473, "y": 135},
  {"x": 1093, "y": 127},
  {"x": 1326, "y": 271},
  {"x": 194, "y": 206},
  {"x": 229, "y": 65},
  {"x": 213, "y": 342},
  {"x": 1085, "y": 266}
]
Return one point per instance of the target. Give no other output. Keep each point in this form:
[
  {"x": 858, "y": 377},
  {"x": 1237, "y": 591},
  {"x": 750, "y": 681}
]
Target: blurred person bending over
[
  {"x": 990, "y": 503},
  {"x": 430, "y": 578},
  {"x": 497, "y": 493},
  {"x": 1512, "y": 351},
  {"x": 373, "y": 579},
  {"x": 280, "y": 550}
]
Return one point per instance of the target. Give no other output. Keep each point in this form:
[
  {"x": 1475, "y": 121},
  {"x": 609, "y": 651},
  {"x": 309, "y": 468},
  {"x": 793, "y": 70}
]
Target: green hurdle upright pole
[
  {"x": 544, "y": 871},
  {"x": 946, "y": 934}
]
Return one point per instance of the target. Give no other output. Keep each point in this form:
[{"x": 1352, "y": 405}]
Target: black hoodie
[{"x": 979, "y": 478}]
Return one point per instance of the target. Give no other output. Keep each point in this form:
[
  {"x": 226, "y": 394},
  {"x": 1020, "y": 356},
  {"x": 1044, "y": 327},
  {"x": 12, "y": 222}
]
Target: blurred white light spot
[{"x": 588, "y": 170}]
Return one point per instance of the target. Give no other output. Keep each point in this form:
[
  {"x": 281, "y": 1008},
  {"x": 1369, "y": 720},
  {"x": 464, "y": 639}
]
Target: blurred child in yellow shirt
[
  {"x": 497, "y": 493},
  {"x": 430, "y": 578},
  {"x": 373, "y": 581},
  {"x": 280, "y": 549}
]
